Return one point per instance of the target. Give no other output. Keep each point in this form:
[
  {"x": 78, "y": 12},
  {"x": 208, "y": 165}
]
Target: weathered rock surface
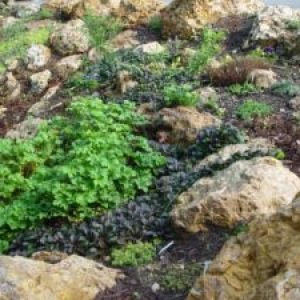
[
  {"x": 263, "y": 78},
  {"x": 68, "y": 65},
  {"x": 10, "y": 87},
  {"x": 25, "y": 130},
  {"x": 71, "y": 38},
  {"x": 295, "y": 103},
  {"x": 37, "y": 56},
  {"x": 271, "y": 29},
  {"x": 150, "y": 48},
  {"x": 261, "y": 264},
  {"x": 39, "y": 81},
  {"x": 185, "y": 18},
  {"x": 246, "y": 188},
  {"x": 125, "y": 39},
  {"x": 72, "y": 278},
  {"x": 181, "y": 124}
]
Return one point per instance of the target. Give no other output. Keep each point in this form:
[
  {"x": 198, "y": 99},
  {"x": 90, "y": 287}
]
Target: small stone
[
  {"x": 39, "y": 81},
  {"x": 155, "y": 287},
  {"x": 37, "y": 57},
  {"x": 68, "y": 65},
  {"x": 150, "y": 48},
  {"x": 295, "y": 103},
  {"x": 263, "y": 78}
]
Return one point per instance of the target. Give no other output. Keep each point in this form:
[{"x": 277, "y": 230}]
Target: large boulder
[
  {"x": 260, "y": 264},
  {"x": 37, "y": 57},
  {"x": 272, "y": 28},
  {"x": 71, "y": 38},
  {"x": 244, "y": 189},
  {"x": 185, "y": 18},
  {"x": 181, "y": 124},
  {"x": 72, "y": 278},
  {"x": 131, "y": 11}
]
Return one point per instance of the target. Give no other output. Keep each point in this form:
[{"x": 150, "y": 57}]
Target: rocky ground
[{"x": 190, "y": 193}]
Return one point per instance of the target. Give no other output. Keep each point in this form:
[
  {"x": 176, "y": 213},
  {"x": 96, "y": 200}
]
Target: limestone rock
[
  {"x": 295, "y": 103},
  {"x": 71, "y": 38},
  {"x": 72, "y": 278},
  {"x": 246, "y": 188},
  {"x": 263, "y": 78},
  {"x": 126, "y": 39},
  {"x": 10, "y": 87},
  {"x": 37, "y": 57},
  {"x": 181, "y": 124},
  {"x": 7, "y": 21},
  {"x": 24, "y": 130},
  {"x": 271, "y": 29},
  {"x": 125, "y": 82},
  {"x": 261, "y": 264},
  {"x": 68, "y": 65},
  {"x": 150, "y": 48},
  {"x": 185, "y": 18},
  {"x": 26, "y": 10},
  {"x": 39, "y": 81}
]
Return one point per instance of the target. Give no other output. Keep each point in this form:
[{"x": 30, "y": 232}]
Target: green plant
[
  {"x": 101, "y": 30},
  {"x": 286, "y": 88},
  {"x": 251, "y": 109},
  {"x": 79, "y": 165},
  {"x": 293, "y": 25},
  {"x": 243, "y": 89},
  {"x": 260, "y": 53},
  {"x": 240, "y": 228},
  {"x": 16, "y": 39},
  {"x": 155, "y": 24},
  {"x": 209, "y": 48},
  {"x": 133, "y": 255},
  {"x": 79, "y": 82},
  {"x": 175, "y": 95},
  {"x": 42, "y": 14},
  {"x": 213, "y": 107}
]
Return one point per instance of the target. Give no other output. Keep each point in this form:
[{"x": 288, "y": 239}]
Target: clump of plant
[
  {"x": 286, "y": 88},
  {"x": 80, "y": 82},
  {"x": 236, "y": 70},
  {"x": 133, "y": 255},
  {"x": 212, "y": 139},
  {"x": 101, "y": 30},
  {"x": 293, "y": 25},
  {"x": 155, "y": 24},
  {"x": 79, "y": 165},
  {"x": 213, "y": 107},
  {"x": 209, "y": 47},
  {"x": 267, "y": 54},
  {"x": 183, "y": 95},
  {"x": 16, "y": 39},
  {"x": 42, "y": 14},
  {"x": 251, "y": 109},
  {"x": 243, "y": 89}
]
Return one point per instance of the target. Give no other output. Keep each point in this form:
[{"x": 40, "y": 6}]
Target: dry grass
[{"x": 236, "y": 71}]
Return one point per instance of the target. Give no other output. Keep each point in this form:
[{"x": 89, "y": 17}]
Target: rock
[
  {"x": 47, "y": 103},
  {"x": 24, "y": 130},
  {"x": 37, "y": 57},
  {"x": 72, "y": 278},
  {"x": 13, "y": 65},
  {"x": 187, "y": 54},
  {"x": 270, "y": 29},
  {"x": 10, "y": 87},
  {"x": 150, "y": 48},
  {"x": 262, "y": 78},
  {"x": 181, "y": 124},
  {"x": 68, "y": 65},
  {"x": 260, "y": 264},
  {"x": 71, "y": 38},
  {"x": 247, "y": 188},
  {"x": 186, "y": 18},
  {"x": 125, "y": 82},
  {"x": 49, "y": 257},
  {"x": 39, "y": 81},
  {"x": 7, "y": 21},
  {"x": 27, "y": 10},
  {"x": 206, "y": 94},
  {"x": 133, "y": 12},
  {"x": 125, "y": 40},
  {"x": 295, "y": 103},
  {"x": 78, "y": 8}
]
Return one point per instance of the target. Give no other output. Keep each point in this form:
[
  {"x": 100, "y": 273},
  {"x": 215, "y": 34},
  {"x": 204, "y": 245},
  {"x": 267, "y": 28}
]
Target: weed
[
  {"x": 286, "y": 88},
  {"x": 240, "y": 228},
  {"x": 79, "y": 82},
  {"x": 270, "y": 56},
  {"x": 175, "y": 95},
  {"x": 101, "y": 30},
  {"x": 155, "y": 24},
  {"x": 251, "y": 109},
  {"x": 209, "y": 48},
  {"x": 213, "y": 107},
  {"x": 133, "y": 255},
  {"x": 293, "y": 25},
  {"x": 243, "y": 89}
]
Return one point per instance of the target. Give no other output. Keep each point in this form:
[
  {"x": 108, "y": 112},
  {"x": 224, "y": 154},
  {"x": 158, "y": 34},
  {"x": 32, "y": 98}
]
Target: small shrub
[
  {"x": 286, "y": 88},
  {"x": 133, "y": 255},
  {"x": 210, "y": 46},
  {"x": 267, "y": 54},
  {"x": 212, "y": 139},
  {"x": 213, "y": 107},
  {"x": 79, "y": 82},
  {"x": 42, "y": 14},
  {"x": 243, "y": 89},
  {"x": 101, "y": 30},
  {"x": 155, "y": 24},
  {"x": 251, "y": 109},
  {"x": 175, "y": 95},
  {"x": 236, "y": 71}
]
